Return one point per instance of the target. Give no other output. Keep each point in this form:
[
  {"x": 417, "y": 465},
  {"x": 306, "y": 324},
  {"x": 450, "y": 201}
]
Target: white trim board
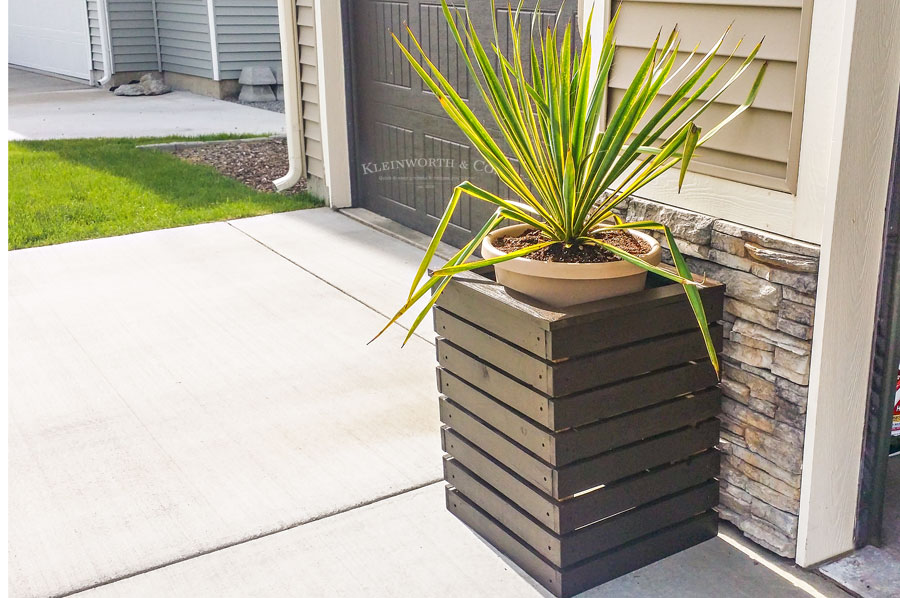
[
  {"x": 332, "y": 74},
  {"x": 213, "y": 40},
  {"x": 855, "y": 194}
]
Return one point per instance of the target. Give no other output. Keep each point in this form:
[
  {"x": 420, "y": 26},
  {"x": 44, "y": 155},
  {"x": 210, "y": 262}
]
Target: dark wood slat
[
  {"x": 572, "y": 513},
  {"x": 540, "y": 504},
  {"x": 574, "y": 341},
  {"x": 637, "y": 490},
  {"x": 587, "y": 473},
  {"x": 593, "y": 571},
  {"x": 590, "y": 440},
  {"x": 575, "y": 375},
  {"x": 523, "y": 366},
  {"x": 574, "y": 410},
  {"x": 631, "y": 459},
  {"x": 561, "y": 448},
  {"x": 641, "y": 391},
  {"x": 527, "y": 327},
  {"x": 537, "y": 439},
  {"x": 459, "y": 365},
  {"x": 588, "y": 541},
  {"x": 509, "y": 453},
  {"x": 560, "y": 334}
]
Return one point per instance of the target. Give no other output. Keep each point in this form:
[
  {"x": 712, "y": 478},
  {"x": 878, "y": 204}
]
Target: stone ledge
[{"x": 769, "y": 323}]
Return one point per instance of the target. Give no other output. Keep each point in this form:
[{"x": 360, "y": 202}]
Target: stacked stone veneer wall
[{"x": 769, "y": 306}]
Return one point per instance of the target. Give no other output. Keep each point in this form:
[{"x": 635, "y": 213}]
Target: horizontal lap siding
[
  {"x": 762, "y": 146},
  {"x": 94, "y": 27},
  {"x": 309, "y": 88},
  {"x": 133, "y": 35},
  {"x": 247, "y": 35},
  {"x": 184, "y": 37}
]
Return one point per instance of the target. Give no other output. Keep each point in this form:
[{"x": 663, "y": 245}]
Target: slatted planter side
[{"x": 581, "y": 443}]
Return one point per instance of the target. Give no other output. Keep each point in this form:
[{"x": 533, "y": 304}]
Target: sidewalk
[
  {"x": 194, "y": 412},
  {"x": 44, "y": 107}
]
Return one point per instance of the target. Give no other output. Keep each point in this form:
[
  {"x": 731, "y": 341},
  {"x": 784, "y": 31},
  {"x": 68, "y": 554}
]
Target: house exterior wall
[
  {"x": 247, "y": 35},
  {"x": 762, "y": 148},
  {"x": 309, "y": 90},
  {"x": 184, "y": 38},
  {"x": 179, "y": 37},
  {"x": 133, "y": 35}
]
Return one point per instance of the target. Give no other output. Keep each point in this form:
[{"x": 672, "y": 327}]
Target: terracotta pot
[{"x": 560, "y": 284}]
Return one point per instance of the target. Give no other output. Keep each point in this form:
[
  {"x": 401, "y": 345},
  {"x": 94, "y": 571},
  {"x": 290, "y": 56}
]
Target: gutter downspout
[
  {"x": 106, "y": 43},
  {"x": 290, "y": 67},
  {"x": 213, "y": 38}
]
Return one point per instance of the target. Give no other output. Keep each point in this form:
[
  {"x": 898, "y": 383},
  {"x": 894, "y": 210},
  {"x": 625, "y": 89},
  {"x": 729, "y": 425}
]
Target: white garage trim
[{"x": 333, "y": 102}]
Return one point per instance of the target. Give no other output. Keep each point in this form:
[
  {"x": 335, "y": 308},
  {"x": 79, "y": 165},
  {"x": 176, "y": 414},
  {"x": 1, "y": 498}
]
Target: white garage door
[{"x": 50, "y": 35}]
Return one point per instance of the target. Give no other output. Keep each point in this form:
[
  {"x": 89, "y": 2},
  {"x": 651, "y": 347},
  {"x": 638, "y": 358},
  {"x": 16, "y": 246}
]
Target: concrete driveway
[
  {"x": 44, "y": 107},
  {"x": 194, "y": 412}
]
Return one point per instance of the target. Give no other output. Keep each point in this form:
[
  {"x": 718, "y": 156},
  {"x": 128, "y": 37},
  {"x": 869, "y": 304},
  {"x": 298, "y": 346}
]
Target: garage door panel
[
  {"x": 50, "y": 35},
  {"x": 409, "y": 154},
  {"x": 409, "y": 169}
]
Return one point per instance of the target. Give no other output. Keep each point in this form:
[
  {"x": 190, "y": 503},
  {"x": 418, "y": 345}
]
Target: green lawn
[{"x": 70, "y": 190}]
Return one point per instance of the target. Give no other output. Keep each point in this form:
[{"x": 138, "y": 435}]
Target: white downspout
[
  {"x": 105, "y": 43},
  {"x": 290, "y": 67}
]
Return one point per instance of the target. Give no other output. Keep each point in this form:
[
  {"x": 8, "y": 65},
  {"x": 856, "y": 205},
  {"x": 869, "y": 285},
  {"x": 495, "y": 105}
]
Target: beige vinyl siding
[
  {"x": 184, "y": 37},
  {"x": 762, "y": 147},
  {"x": 247, "y": 34},
  {"x": 133, "y": 35},
  {"x": 309, "y": 88}
]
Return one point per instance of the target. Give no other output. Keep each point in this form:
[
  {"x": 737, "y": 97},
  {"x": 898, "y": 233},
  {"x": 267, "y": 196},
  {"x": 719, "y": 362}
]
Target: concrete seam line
[
  {"x": 314, "y": 275},
  {"x": 248, "y": 539}
]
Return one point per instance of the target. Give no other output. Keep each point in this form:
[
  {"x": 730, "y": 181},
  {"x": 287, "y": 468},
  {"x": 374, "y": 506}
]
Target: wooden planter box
[{"x": 581, "y": 444}]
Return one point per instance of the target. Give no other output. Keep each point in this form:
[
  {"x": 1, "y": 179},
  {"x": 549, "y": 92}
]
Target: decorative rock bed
[{"x": 255, "y": 162}]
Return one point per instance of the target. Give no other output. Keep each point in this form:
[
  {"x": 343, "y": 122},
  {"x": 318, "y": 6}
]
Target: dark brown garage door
[{"x": 408, "y": 155}]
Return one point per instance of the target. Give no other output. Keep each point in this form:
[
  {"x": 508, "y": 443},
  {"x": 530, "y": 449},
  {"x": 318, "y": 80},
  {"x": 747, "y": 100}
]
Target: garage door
[
  {"x": 409, "y": 156},
  {"x": 50, "y": 35}
]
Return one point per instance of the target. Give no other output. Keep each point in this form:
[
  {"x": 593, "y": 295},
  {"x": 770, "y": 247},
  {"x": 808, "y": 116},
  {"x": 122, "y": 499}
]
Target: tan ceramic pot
[{"x": 561, "y": 285}]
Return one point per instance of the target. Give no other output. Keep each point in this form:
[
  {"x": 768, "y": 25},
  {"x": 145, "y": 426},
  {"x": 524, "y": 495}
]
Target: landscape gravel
[{"x": 255, "y": 163}]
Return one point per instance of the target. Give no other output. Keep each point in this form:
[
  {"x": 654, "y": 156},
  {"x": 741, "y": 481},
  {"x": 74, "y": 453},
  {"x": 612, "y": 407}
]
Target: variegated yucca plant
[{"x": 547, "y": 100}]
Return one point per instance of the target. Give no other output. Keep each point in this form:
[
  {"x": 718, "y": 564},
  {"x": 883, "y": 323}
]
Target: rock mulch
[{"x": 256, "y": 163}]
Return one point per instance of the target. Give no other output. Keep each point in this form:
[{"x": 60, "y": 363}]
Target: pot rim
[{"x": 524, "y": 265}]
